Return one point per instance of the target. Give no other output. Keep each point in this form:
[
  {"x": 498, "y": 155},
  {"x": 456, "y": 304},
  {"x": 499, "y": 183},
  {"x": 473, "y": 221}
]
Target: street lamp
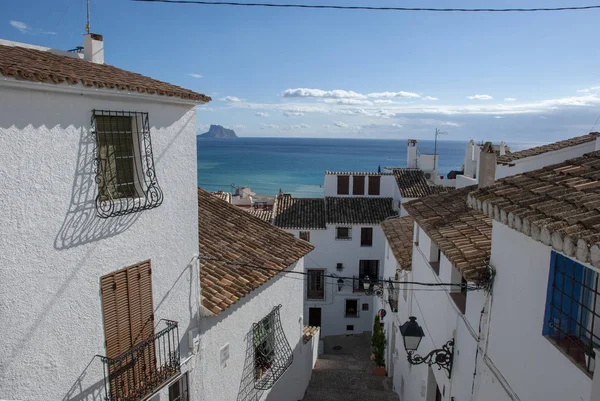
[
  {"x": 340, "y": 284},
  {"x": 412, "y": 334}
]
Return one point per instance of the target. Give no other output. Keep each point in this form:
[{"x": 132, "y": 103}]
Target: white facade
[
  {"x": 328, "y": 252},
  {"x": 233, "y": 378},
  {"x": 388, "y": 187},
  {"x": 54, "y": 248}
]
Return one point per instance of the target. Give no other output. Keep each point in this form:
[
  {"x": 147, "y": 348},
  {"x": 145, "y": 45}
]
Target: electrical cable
[{"x": 373, "y": 8}]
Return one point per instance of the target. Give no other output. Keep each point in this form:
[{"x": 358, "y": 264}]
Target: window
[
  {"x": 417, "y": 229},
  {"x": 572, "y": 319},
  {"x": 124, "y": 163},
  {"x": 460, "y": 297},
  {"x": 272, "y": 352},
  {"x": 343, "y": 184},
  {"x": 374, "y": 181},
  {"x": 366, "y": 236},
  {"x": 367, "y": 268},
  {"x": 179, "y": 391},
  {"x": 365, "y": 307},
  {"x": 305, "y": 235},
  {"x": 128, "y": 317},
  {"x": 392, "y": 296},
  {"x": 350, "y": 327},
  {"x": 358, "y": 185},
  {"x": 351, "y": 308},
  {"x": 315, "y": 284},
  {"x": 434, "y": 258},
  {"x": 344, "y": 233}
]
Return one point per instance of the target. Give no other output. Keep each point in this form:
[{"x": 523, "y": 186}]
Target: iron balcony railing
[
  {"x": 145, "y": 368},
  {"x": 358, "y": 283}
]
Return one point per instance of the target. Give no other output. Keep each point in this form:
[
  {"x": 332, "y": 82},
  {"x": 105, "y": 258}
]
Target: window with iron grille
[
  {"x": 572, "y": 319},
  {"x": 179, "y": 391},
  {"x": 305, "y": 235},
  {"x": 351, "y": 308},
  {"x": 272, "y": 352},
  {"x": 124, "y": 163},
  {"x": 392, "y": 296},
  {"x": 315, "y": 284},
  {"x": 344, "y": 233}
]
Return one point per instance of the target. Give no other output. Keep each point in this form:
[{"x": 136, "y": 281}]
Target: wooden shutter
[
  {"x": 358, "y": 185},
  {"x": 343, "y": 184},
  {"x": 374, "y": 182},
  {"x": 366, "y": 236}
]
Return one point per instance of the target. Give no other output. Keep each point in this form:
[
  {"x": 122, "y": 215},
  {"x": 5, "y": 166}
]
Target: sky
[{"x": 529, "y": 77}]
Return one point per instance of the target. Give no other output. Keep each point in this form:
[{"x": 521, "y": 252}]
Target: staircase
[{"x": 345, "y": 373}]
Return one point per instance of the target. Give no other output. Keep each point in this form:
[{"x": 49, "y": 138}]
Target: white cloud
[
  {"x": 293, "y": 113},
  {"x": 262, "y": 114},
  {"x": 498, "y": 117},
  {"x": 480, "y": 97},
  {"x": 239, "y": 127},
  {"x": 397, "y": 125},
  {"x": 319, "y": 93},
  {"x": 451, "y": 124},
  {"x": 289, "y": 127},
  {"x": 510, "y": 99},
  {"x": 349, "y": 102},
  {"x": 203, "y": 127},
  {"x": 588, "y": 90},
  {"x": 195, "y": 75},
  {"x": 340, "y": 124},
  {"x": 230, "y": 99},
  {"x": 383, "y": 101},
  {"x": 395, "y": 94},
  {"x": 430, "y": 98},
  {"x": 26, "y": 29}
]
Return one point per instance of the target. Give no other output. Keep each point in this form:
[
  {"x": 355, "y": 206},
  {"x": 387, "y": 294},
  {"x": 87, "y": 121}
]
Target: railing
[
  {"x": 315, "y": 294},
  {"x": 358, "y": 282},
  {"x": 145, "y": 368}
]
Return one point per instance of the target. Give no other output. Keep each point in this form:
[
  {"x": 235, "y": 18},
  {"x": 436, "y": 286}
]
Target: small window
[
  {"x": 350, "y": 327},
  {"x": 305, "y": 235},
  {"x": 343, "y": 184},
  {"x": 351, "y": 308},
  {"x": 366, "y": 236},
  {"x": 315, "y": 284},
  {"x": 417, "y": 229},
  {"x": 434, "y": 258},
  {"x": 179, "y": 391},
  {"x": 343, "y": 233},
  {"x": 358, "y": 185},
  {"x": 374, "y": 183},
  {"x": 365, "y": 307}
]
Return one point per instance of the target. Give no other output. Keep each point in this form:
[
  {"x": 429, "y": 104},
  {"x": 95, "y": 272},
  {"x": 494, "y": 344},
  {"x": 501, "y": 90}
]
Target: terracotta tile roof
[
  {"x": 232, "y": 235},
  {"x": 413, "y": 184},
  {"x": 399, "y": 235},
  {"x": 262, "y": 214},
  {"x": 558, "y": 205},
  {"x": 356, "y": 173},
  {"x": 538, "y": 150},
  {"x": 42, "y": 66},
  {"x": 358, "y": 210},
  {"x": 299, "y": 213},
  {"x": 226, "y": 196},
  {"x": 309, "y": 332},
  {"x": 463, "y": 235}
]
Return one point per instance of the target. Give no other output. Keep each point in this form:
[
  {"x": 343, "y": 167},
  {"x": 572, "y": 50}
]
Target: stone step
[{"x": 323, "y": 394}]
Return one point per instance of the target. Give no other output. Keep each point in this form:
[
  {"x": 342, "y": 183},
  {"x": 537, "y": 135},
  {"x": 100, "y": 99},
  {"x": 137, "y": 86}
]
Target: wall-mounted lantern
[
  {"x": 412, "y": 334},
  {"x": 339, "y": 267},
  {"x": 340, "y": 284}
]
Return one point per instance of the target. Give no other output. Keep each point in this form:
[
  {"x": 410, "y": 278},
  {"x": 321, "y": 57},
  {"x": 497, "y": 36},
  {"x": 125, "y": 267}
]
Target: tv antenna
[{"x": 87, "y": 25}]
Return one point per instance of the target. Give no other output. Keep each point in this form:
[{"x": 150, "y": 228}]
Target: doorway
[{"x": 314, "y": 317}]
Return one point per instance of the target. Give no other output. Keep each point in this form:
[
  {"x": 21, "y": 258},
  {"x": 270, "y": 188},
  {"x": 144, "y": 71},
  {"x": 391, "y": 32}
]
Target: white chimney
[
  {"x": 93, "y": 48},
  {"x": 502, "y": 148},
  {"x": 487, "y": 166},
  {"x": 411, "y": 154}
]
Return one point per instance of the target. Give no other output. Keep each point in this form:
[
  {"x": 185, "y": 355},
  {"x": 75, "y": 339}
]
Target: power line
[{"x": 371, "y": 8}]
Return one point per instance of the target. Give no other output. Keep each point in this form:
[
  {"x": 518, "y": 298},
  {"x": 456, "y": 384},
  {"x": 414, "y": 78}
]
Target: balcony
[
  {"x": 358, "y": 283},
  {"x": 318, "y": 294},
  {"x": 145, "y": 368}
]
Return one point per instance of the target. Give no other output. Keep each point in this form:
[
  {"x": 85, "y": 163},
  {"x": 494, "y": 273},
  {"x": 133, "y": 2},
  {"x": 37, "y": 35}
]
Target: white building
[
  {"x": 513, "y": 163},
  {"x": 253, "y": 342},
  {"x": 99, "y": 231},
  {"x": 546, "y": 254}
]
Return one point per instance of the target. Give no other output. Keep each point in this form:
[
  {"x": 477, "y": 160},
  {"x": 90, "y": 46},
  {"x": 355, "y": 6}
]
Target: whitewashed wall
[
  {"x": 543, "y": 160},
  {"x": 516, "y": 344},
  {"x": 387, "y": 187},
  {"x": 327, "y": 254},
  {"x": 53, "y": 248},
  {"x": 212, "y": 381}
]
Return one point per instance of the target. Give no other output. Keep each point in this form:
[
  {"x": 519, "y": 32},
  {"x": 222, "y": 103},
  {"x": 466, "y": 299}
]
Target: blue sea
[{"x": 297, "y": 165}]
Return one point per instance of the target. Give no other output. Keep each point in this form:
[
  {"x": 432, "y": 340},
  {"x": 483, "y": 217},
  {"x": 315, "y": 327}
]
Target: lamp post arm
[{"x": 442, "y": 357}]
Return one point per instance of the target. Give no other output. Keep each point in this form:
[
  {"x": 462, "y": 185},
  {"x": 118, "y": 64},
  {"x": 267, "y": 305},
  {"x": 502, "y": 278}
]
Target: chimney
[
  {"x": 411, "y": 154},
  {"x": 93, "y": 48},
  {"x": 502, "y": 148},
  {"x": 487, "y": 166}
]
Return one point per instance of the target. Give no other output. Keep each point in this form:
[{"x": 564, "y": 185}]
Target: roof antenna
[{"x": 87, "y": 26}]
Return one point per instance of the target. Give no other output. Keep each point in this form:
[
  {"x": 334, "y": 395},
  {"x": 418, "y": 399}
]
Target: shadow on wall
[
  {"x": 247, "y": 392},
  {"x": 82, "y": 390},
  {"x": 81, "y": 224}
]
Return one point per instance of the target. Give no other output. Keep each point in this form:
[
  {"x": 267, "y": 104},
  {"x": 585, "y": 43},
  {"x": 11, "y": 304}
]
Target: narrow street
[{"x": 345, "y": 373}]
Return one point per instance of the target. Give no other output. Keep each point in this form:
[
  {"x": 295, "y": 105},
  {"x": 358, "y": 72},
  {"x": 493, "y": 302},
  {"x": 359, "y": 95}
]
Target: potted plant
[{"x": 378, "y": 343}]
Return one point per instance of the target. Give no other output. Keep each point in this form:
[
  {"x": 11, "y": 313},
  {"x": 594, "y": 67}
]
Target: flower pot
[{"x": 380, "y": 371}]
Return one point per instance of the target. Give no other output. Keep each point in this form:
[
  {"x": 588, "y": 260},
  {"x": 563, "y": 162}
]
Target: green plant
[{"x": 378, "y": 342}]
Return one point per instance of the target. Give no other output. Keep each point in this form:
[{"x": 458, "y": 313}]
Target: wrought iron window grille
[
  {"x": 392, "y": 296},
  {"x": 272, "y": 352},
  {"x": 124, "y": 163},
  {"x": 145, "y": 368}
]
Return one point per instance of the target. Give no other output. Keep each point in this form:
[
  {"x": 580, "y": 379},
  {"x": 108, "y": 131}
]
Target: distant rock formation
[{"x": 217, "y": 131}]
